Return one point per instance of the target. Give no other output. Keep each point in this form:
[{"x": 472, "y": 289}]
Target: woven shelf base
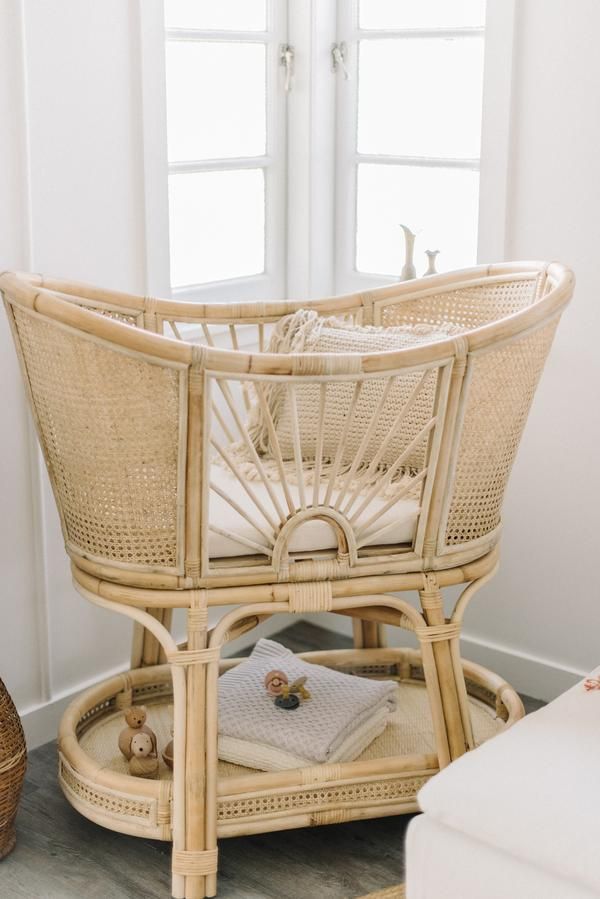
[{"x": 94, "y": 777}]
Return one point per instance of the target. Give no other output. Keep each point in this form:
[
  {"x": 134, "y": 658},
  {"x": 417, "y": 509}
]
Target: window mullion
[
  {"x": 220, "y": 165},
  {"x": 311, "y": 150},
  {"x": 409, "y": 33},
  {"x": 425, "y": 161},
  {"x": 346, "y": 148},
  {"x": 194, "y": 34}
]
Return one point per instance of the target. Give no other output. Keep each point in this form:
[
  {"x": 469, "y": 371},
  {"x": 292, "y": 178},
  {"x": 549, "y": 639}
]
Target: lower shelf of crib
[{"x": 384, "y": 780}]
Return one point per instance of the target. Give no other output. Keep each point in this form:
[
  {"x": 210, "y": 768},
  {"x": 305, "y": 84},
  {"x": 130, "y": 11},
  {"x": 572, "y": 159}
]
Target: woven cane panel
[
  {"x": 369, "y": 792},
  {"x": 123, "y": 317},
  {"x": 109, "y": 426},
  {"x": 500, "y": 393},
  {"x": 469, "y": 307},
  {"x": 109, "y": 802}
]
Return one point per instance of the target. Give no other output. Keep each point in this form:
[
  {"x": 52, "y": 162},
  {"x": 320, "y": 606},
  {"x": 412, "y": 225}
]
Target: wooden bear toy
[
  {"x": 143, "y": 761},
  {"x": 136, "y": 724}
]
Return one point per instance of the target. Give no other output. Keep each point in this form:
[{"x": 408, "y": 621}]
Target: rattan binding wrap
[{"x": 13, "y": 761}]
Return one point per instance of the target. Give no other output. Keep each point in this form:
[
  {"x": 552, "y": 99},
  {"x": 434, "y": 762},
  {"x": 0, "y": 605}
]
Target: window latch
[
  {"x": 286, "y": 59},
  {"x": 339, "y": 56}
]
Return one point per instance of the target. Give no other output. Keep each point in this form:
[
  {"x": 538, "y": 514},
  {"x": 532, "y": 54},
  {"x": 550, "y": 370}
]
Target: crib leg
[
  {"x": 448, "y": 670},
  {"x": 368, "y": 634},
  {"x": 145, "y": 649},
  {"x": 195, "y": 865}
]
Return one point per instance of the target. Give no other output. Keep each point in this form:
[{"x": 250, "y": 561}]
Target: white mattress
[
  {"x": 442, "y": 863},
  {"x": 308, "y": 537}
]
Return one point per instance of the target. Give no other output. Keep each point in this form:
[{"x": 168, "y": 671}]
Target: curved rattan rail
[{"x": 146, "y": 412}]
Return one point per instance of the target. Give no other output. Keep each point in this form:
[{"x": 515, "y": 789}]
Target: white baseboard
[
  {"x": 533, "y": 675},
  {"x": 40, "y": 721},
  {"x": 536, "y": 676}
]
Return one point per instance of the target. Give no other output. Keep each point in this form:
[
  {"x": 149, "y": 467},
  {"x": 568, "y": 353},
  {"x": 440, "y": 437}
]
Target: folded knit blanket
[{"x": 342, "y": 718}]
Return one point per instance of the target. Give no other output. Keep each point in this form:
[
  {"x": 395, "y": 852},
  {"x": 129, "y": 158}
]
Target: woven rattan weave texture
[
  {"x": 13, "y": 761},
  {"x": 148, "y": 413}
]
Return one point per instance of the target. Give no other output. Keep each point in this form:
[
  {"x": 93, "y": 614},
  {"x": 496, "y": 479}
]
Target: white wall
[
  {"x": 70, "y": 182},
  {"x": 72, "y": 205},
  {"x": 18, "y": 616},
  {"x": 538, "y": 621},
  {"x": 545, "y": 601}
]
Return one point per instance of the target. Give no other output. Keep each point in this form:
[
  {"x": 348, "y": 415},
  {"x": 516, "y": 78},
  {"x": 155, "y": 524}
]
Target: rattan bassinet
[{"x": 146, "y": 411}]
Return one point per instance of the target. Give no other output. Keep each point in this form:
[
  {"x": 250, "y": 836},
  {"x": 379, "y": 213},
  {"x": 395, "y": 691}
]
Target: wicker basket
[{"x": 13, "y": 761}]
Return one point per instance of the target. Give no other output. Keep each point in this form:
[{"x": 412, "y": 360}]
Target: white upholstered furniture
[{"x": 517, "y": 818}]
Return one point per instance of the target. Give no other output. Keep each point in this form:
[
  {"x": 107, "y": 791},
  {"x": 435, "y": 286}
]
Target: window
[
  {"x": 225, "y": 124},
  {"x": 266, "y": 185},
  {"x": 409, "y": 140}
]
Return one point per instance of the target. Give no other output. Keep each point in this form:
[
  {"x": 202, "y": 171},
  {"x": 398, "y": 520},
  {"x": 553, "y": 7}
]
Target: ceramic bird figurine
[
  {"x": 408, "y": 269},
  {"x": 431, "y": 256}
]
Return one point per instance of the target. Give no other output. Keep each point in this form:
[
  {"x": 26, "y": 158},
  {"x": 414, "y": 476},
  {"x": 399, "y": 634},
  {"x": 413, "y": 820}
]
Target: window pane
[
  {"x": 421, "y": 13},
  {"x": 439, "y": 204},
  {"x": 420, "y": 97},
  {"x": 216, "y": 100},
  {"x": 236, "y": 15},
  {"x": 217, "y": 226}
]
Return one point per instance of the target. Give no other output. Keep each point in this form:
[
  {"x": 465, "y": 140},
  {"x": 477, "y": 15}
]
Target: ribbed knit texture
[{"x": 341, "y": 704}]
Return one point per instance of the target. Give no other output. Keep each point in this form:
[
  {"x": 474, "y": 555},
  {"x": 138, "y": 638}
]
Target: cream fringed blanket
[
  {"x": 387, "y": 415},
  {"x": 344, "y": 715}
]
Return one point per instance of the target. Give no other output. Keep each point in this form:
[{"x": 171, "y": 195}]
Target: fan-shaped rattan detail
[{"x": 197, "y": 461}]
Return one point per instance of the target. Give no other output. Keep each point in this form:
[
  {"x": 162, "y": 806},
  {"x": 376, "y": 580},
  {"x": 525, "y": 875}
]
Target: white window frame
[
  {"x": 498, "y": 28},
  {"x": 271, "y": 283},
  {"x": 496, "y": 135},
  {"x": 314, "y": 212}
]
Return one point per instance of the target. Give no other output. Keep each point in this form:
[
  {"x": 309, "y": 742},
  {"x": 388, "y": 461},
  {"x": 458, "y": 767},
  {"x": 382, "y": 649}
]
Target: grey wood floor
[{"x": 61, "y": 855}]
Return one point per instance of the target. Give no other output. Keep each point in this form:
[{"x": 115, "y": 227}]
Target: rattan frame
[{"x": 509, "y": 313}]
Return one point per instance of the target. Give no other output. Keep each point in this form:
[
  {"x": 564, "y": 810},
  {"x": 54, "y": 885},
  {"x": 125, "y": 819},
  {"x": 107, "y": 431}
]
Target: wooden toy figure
[
  {"x": 143, "y": 761},
  {"x": 136, "y": 723}
]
